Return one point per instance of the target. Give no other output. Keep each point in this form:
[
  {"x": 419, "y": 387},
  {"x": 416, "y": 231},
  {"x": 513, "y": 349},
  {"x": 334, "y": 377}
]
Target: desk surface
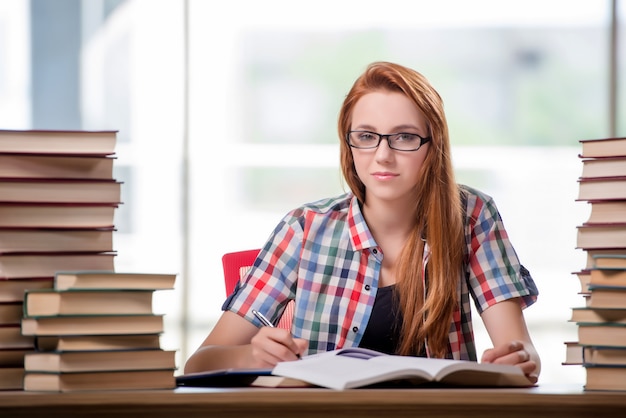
[{"x": 312, "y": 402}]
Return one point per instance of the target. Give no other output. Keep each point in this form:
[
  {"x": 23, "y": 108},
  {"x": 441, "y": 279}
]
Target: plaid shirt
[{"x": 324, "y": 256}]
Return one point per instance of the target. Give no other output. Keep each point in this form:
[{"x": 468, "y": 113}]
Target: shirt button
[
  {"x": 367, "y": 287},
  {"x": 375, "y": 251},
  {"x": 355, "y": 329}
]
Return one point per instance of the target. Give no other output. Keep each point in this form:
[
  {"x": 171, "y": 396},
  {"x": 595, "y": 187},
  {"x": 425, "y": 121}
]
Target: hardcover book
[
  {"x": 100, "y": 380},
  {"x": 103, "y": 279},
  {"x": 357, "y": 367},
  {"x": 56, "y": 215},
  {"x": 91, "y": 361},
  {"x": 606, "y": 296},
  {"x": 600, "y": 236},
  {"x": 98, "y": 342},
  {"x": 608, "y": 334},
  {"x": 610, "y": 261},
  {"x": 14, "y": 240},
  {"x": 605, "y": 356},
  {"x": 573, "y": 353},
  {"x": 92, "y": 325},
  {"x": 605, "y": 378},
  {"x": 14, "y": 357},
  {"x": 10, "y": 313},
  {"x": 593, "y": 252},
  {"x": 59, "y": 191},
  {"x": 11, "y": 337},
  {"x": 27, "y": 265},
  {"x": 12, "y": 290},
  {"x": 11, "y": 378},
  {"x": 603, "y": 147},
  {"x": 607, "y": 212},
  {"x": 598, "y": 315},
  {"x": 604, "y": 167},
  {"x": 56, "y": 166},
  {"x": 608, "y": 188},
  {"x": 607, "y": 277},
  {"x": 58, "y": 142},
  {"x": 87, "y": 302}
]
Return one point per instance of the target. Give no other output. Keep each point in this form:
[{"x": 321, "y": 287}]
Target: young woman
[{"x": 390, "y": 265}]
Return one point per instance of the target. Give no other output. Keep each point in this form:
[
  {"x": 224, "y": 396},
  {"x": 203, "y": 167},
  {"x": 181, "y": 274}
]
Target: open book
[{"x": 357, "y": 367}]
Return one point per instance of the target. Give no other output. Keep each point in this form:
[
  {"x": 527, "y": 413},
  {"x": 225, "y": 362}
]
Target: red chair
[
  {"x": 236, "y": 265},
  {"x": 233, "y": 264}
]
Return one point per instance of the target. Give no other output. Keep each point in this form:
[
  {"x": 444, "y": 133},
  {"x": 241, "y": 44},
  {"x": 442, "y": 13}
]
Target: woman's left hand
[{"x": 515, "y": 353}]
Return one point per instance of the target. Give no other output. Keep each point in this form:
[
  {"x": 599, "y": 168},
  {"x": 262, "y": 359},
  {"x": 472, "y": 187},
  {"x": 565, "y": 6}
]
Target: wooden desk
[{"x": 260, "y": 402}]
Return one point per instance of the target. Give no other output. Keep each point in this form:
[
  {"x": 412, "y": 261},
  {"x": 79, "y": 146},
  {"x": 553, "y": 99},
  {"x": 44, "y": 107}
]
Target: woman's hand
[
  {"x": 506, "y": 326},
  {"x": 516, "y": 354},
  {"x": 271, "y": 345},
  {"x": 235, "y": 342}
]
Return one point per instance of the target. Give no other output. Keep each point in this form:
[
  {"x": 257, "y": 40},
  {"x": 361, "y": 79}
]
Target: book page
[
  {"x": 433, "y": 367},
  {"x": 345, "y": 371},
  {"x": 459, "y": 372}
]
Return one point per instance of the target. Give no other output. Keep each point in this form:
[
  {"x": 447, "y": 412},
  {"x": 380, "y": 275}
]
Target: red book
[
  {"x": 594, "y": 236},
  {"x": 604, "y": 167},
  {"x": 56, "y": 166},
  {"x": 25, "y": 265},
  {"x": 55, "y": 190},
  {"x": 605, "y": 188},
  {"x": 603, "y": 147},
  {"x": 58, "y": 142},
  {"x": 57, "y": 215}
]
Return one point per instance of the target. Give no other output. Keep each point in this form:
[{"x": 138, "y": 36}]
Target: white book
[{"x": 357, "y": 367}]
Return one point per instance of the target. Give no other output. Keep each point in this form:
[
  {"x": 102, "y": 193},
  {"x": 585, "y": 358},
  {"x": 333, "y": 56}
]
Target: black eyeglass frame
[{"x": 423, "y": 140}]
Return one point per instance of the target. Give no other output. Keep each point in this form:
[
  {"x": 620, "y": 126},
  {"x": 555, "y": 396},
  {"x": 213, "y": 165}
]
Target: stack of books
[
  {"x": 601, "y": 320},
  {"x": 57, "y": 203},
  {"x": 97, "y": 331}
]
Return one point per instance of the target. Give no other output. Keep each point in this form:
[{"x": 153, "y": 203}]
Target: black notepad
[{"x": 222, "y": 378}]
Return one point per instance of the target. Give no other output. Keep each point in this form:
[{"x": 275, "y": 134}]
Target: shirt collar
[{"x": 360, "y": 235}]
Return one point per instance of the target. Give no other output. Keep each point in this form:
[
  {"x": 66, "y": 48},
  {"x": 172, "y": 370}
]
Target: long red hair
[{"x": 438, "y": 213}]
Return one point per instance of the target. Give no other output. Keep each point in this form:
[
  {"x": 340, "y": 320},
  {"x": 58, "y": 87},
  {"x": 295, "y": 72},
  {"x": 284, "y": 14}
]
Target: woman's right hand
[
  {"x": 234, "y": 342},
  {"x": 271, "y": 345}
]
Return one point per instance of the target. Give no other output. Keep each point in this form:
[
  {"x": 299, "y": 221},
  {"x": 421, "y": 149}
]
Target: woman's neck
[
  {"x": 391, "y": 226},
  {"x": 385, "y": 217}
]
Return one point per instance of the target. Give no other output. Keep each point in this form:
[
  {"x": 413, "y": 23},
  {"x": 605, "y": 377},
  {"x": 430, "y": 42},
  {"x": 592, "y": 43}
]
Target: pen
[
  {"x": 263, "y": 319},
  {"x": 267, "y": 323}
]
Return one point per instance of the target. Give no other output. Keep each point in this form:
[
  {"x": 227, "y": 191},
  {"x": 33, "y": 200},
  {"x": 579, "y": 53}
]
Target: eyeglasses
[{"x": 399, "y": 141}]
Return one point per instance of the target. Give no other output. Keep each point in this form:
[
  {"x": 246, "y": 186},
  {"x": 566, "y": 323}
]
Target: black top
[{"x": 383, "y": 329}]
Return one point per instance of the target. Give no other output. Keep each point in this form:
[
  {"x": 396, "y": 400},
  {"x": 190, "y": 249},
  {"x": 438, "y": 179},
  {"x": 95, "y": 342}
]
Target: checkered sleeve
[
  {"x": 270, "y": 283},
  {"x": 494, "y": 272}
]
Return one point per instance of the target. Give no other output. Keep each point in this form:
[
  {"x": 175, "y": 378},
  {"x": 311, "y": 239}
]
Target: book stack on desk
[
  {"x": 57, "y": 203},
  {"x": 601, "y": 321},
  {"x": 97, "y": 331}
]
